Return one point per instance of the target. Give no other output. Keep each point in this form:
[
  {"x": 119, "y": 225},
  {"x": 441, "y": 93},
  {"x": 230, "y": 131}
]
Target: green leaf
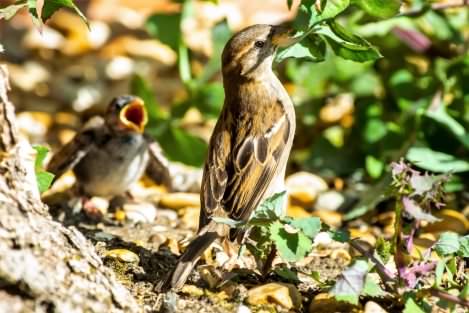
[
  {"x": 347, "y": 45},
  {"x": 340, "y": 235},
  {"x": 271, "y": 208},
  {"x": 351, "y": 282},
  {"x": 44, "y": 180},
  {"x": 447, "y": 244},
  {"x": 441, "y": 116},
  {"x": 41, "y": 154},
  {"x": 209, "y": 99},
  {"x": 379, "y": 8},
  {"x": 179, "y": 145},
  {"x": 374, "y": 166},
  {"x": 140, "y": 88},
  {"x": 464, "y": 247},
  {"x": 287, "y": 274},
  {"x": 51, "y": 6},
  {"x": 374, "y": 130},
  {"x": 292, "y": 247},
  {"x": 412, "y": 307},
  {"x": 372, "y": 288},
  {"x": 310, "y": 226},
  {"x": 166, "y": 28},
  {"x": 9, "y": 11},
  {"x": 439, "y": 271},
  {"x": 353, "y": 52},
  {"x": 221, "y": 33},
  {"x": 436, "y": 161},
  {"x": 331, "y": 8},
  {"x": 311, "y": 48},
  {"x": 289, "y": 4}
]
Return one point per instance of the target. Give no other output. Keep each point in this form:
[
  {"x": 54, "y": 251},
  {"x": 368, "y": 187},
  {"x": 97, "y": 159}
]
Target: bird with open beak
[
  {"x": 111, "y": 153},
  {"x": 250, "y": 144}
]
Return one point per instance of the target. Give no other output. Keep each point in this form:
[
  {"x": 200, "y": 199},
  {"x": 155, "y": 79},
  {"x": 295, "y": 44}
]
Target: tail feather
[{"x": 186, "y": 263}]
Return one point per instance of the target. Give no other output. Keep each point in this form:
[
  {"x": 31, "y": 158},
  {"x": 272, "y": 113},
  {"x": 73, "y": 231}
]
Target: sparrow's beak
[
  {"x": 134, "y": 115},
  {"x": 283, "y": 37}
]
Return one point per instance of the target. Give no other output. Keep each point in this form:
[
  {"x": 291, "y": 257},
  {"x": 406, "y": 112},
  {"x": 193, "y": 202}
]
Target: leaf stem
[
  {"x": 448, "y": 297},
  {"x": 386, "y": 276}
]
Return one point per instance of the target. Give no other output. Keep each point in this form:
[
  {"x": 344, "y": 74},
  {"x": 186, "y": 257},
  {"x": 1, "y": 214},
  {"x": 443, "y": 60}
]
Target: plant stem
[
  {"x": 386, "y": 276},
  {"x": 270, "y": 259},
  {"x": 435, "y": 7},
  {"x": 449, "y": 297}
]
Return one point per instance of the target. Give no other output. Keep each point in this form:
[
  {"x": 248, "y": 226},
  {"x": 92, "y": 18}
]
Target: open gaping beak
[
  {"x": 134, "y": 116},
  {"x": 283, "y": 37}
]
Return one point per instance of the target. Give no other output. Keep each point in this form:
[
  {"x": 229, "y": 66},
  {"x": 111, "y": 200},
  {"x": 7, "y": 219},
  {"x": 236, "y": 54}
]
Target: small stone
[
  {"x": 190, "y": 218},
  {"x": 323, "y": 239},
  {"x": 330, "y": 218},
  {"x": 303, "y": 188},
  {"x": 373, "y": 307},
  {"x": 283, "y": 294},
  {"x": 192, "y": 291},
  {"x": 140, "y": 212},
  {"x": 180, "y": 200},
  {"x": 243, "y": 309},
  {"x": 326, "y": 303},
  {"x": 33, "y": 124},
  {"x": 451, "y": 220},
  {"x": 297, "y": 211},
  {"x": 329, "y": 201},
  {"x": 362, "y": 235},
  {"x": 123, "y": 255},
  {"x": 337, "y": 108}
]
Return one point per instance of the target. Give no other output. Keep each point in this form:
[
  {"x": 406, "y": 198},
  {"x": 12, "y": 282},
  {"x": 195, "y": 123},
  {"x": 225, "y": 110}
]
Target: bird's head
[
  {"x": 250, "y": 52},
  {"x": 127, "y": 113}
]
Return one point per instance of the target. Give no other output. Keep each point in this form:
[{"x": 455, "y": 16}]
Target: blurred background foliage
[{"x": 354, "y": 118}]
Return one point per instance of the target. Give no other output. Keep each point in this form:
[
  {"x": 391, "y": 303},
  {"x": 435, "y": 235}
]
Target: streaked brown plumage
[
  {"x": 111, "y": 153},
  {"x": 250, "y": 144}
]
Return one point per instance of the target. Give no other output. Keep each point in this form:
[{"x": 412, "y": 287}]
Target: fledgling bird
[
  {"x": 111, "y": 153},
  {"x": 250, "y": 144}
]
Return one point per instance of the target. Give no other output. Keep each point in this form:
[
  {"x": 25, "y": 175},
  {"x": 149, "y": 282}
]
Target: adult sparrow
[
  {"x": 111, "y": 153},
  {"x": 250, "y": 144}
]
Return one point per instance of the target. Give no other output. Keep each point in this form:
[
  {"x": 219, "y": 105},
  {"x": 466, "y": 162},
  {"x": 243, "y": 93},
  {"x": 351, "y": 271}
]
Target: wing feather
[{"x": 74, "y": 151}]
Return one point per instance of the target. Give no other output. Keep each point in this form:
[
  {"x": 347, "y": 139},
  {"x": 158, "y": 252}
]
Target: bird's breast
[{"x": 110, "y": 167}]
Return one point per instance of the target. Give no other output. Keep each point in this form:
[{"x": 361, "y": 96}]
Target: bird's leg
[{"x": 90, "y": 209}]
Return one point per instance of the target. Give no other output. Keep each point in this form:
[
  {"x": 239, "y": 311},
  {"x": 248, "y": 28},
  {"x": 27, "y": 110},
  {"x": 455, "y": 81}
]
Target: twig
[
  {"x": 383, "y": 272},
  {"x": 448, "y": 297},
  {"x": 435, "y": 7}
]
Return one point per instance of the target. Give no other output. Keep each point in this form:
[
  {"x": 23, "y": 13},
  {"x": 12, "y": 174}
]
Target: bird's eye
[{"x": 259, "y": 44}]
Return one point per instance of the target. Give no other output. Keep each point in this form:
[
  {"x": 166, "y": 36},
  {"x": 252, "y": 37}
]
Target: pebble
[
  {"x": 451, "y": 220},
  {"x": 283, "y": 294},
  {"x": 180, "y": 200},
  {"x": 333, "y": 219},
  {"x": 140, "y": 212},
  {"x": 123, "y": 255},
  {"x": 373, "y": 307},
  {"x": 243, "y": 309},
  {"x": 326, "y": 303},
  {"x": 329, "y": 201},
  {"x": 303, "y": 188}
]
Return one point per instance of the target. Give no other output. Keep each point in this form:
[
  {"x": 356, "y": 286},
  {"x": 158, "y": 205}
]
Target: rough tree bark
[{"x": 44, "y": 266}]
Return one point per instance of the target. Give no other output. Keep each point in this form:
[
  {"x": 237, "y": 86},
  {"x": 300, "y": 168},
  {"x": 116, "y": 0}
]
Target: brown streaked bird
[
  {"x": 111, "y": 153},
  {"x": 250, "y": 144}
]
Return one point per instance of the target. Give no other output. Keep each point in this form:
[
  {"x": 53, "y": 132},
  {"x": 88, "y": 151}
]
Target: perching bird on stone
[{"x": 250, "y": 144}]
